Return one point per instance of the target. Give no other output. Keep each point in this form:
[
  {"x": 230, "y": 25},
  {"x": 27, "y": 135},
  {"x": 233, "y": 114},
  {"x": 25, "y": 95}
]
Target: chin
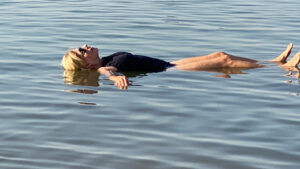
[{"x": 95, "y": 50}]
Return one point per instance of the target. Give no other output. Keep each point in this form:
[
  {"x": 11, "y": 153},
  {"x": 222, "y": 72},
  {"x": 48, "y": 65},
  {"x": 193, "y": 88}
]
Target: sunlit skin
[
  {"x": 292, "y": 64},
  {"x": 93, "y": 61},
  {"x": 214, "y": 60}
]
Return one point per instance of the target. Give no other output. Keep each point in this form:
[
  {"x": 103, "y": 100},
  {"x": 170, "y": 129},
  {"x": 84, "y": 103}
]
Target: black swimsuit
[{"x": 125, "y": 61}]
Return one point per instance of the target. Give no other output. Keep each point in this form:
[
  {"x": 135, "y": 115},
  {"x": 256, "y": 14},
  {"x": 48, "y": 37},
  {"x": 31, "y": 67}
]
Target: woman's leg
[
  {"x": 197, "y": 63},
  {"x": 210, "y": 56},
  {"x": 215, "y": 60},
  {"x": 198, "y": 58},
  {"x": 293, "y": 62},
  {"x": 284, "y": 54},
  {"x": 221, "y": 59}
]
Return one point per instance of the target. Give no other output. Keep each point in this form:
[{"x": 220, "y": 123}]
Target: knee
[
  {"x": 221, "y": 53},
  {"x": 226, "y": 59}
]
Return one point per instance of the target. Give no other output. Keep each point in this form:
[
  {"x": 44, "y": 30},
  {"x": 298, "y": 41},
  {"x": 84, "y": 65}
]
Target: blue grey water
[{"x": 174, "y": 119}]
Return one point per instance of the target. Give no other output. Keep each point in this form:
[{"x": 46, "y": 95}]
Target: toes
[{"x": 289, "y": 49}]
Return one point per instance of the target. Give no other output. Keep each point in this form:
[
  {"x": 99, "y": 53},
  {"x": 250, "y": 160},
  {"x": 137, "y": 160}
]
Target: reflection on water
[
  {"x": 82, "y": 78},
  {"x": 167, "y": 120},
  {"x": 130, "y": 74},
  {"x": 87, "y": 103},
  {"x": 83, "y": 91},
  {"x": 226, "y": 72},
  {"x": 91, "y": 78}
]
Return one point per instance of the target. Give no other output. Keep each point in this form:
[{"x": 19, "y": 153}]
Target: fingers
[
  {"x": 123, "y": 87},
  {"x": 122, "y": 82},
  {"x": 125, "y": 81}
]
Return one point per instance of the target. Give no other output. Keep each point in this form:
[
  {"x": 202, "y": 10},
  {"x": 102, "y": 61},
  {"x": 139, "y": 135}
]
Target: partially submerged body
[{"x": 87, "y": 57}]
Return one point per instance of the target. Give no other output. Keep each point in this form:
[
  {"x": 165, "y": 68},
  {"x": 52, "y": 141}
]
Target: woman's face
[{"x": 89, "y": 55}]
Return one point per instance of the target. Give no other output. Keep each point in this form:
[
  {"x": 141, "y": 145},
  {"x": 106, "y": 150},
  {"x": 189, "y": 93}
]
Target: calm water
[{"x": 172, "y": 119}]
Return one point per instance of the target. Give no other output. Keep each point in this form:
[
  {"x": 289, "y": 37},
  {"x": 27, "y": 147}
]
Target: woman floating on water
[{"x": 87, "y": 57}]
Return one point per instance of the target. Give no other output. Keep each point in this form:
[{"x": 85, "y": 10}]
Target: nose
[{"x": 85, "y": 46}]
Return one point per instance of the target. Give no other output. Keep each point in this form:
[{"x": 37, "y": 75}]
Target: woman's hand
[{"x": 120, "y": 81}]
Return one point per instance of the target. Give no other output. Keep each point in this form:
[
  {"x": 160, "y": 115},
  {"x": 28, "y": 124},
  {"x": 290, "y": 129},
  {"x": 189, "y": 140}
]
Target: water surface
[{"x": 172, "y": 119}]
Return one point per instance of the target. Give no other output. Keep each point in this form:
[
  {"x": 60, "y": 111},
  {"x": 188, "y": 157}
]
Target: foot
[
  {"x": 284, "y": 54},
  {"x": 293, "y": 62}
]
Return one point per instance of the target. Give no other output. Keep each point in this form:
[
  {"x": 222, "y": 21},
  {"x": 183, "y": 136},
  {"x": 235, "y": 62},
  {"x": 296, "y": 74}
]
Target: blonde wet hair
[{"x": 72, "y": 61}]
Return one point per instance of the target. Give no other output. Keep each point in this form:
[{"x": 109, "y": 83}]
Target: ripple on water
[{"x": 174, "y": 119}]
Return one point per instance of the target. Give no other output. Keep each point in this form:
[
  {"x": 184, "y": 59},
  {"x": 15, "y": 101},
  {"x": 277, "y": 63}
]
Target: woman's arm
[{"x": 120, "y": 81}]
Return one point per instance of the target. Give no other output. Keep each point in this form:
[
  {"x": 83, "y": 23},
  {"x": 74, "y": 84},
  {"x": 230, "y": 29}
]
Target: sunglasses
[{"x": 82, "y": 51}]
